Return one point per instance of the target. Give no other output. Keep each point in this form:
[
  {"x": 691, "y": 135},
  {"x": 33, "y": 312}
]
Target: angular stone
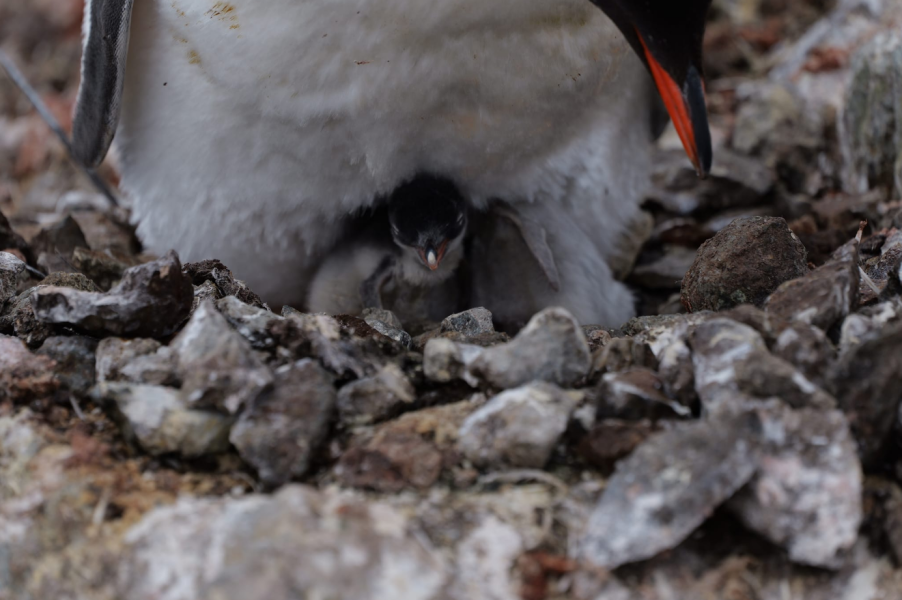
[
  {"x": 806, "y": 495},
  {"x": 383, "y": 315},
  {"x": 667, "y": 488},
  {"x": 136, "y": 361},
  {"x": 217, "y": 273},
  {"x": 75, "y": 361},
  {"x": 470, "y": 323},
  {"x": 24, "y": 376},
  {"x": 808, "y": 349},
  {"x": 868, "y": 388},
  {"x": 518, "y": 428},
  {"x": 375, "y": 398},
  {"x": 386, "y": 323},
  {"x": 10, "y": 268},
  {"x": 281, "y": 430},
  {"x": 160, "y": 421},
  {"x": 822, "y": 298},
  {"x": 216, "y": 365},
  {"x": 635, "y": 394},
  {"x": 152, "y": 300},
  {"x": 250, "y": 321},
  {"x": 552, "y": 348},
  {"x": 297, "y": 543},
  {"x": 743, "y": 264},
  {"x": 869, "y": 322}
]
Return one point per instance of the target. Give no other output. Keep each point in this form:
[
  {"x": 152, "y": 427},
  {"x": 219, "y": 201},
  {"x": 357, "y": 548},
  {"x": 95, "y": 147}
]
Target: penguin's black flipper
[{"x": 102, "y": 78}]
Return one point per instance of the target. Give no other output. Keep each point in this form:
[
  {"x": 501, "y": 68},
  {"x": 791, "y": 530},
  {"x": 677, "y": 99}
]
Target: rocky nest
[{"x": 165, "y": 435}]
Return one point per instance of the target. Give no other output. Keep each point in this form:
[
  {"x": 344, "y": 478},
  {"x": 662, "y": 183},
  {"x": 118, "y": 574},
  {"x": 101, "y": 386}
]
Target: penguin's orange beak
[
  {"x": 432, "y": 257},
  {"x": 687, "y": 111}
]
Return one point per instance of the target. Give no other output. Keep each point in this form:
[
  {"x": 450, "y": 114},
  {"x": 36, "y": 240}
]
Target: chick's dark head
[{"x": 428, "y": 215}]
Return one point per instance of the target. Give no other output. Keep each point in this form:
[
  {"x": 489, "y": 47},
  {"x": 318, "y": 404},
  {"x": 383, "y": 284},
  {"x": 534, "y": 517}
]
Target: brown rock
[
  {"x": 24, "y": 376},
  {"x": 743, "y": 264},
  {"x": 611, "y": 440}
]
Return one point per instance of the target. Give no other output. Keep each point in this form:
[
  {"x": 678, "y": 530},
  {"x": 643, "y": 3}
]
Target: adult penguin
[{"x": 249, "y": 130}]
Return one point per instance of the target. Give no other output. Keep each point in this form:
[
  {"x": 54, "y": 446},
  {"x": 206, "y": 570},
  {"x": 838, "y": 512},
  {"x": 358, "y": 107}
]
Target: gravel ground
[{"x": 165, "y": 435}]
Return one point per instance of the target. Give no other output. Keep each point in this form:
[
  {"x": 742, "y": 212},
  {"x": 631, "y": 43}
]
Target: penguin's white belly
[{"x": 250, "y": 127}]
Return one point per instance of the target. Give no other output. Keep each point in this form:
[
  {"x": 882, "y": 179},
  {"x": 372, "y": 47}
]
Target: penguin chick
[{"x": 409, "y": 251}]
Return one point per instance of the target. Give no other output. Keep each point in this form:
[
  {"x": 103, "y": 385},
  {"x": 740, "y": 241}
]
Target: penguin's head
[
  {"x": 668, "y": 35},
  {"x": 428, "y": 218}
]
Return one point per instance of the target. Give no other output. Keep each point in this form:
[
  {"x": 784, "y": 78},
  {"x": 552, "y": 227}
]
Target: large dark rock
[
  {"x": 743, "y": 264},
  {"x": 152, "y": 300},
  {"x": 282, "y": 429}
]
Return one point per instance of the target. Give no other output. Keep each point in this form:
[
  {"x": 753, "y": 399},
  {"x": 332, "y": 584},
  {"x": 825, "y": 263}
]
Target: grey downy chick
[{"x": 405, "y": 254}]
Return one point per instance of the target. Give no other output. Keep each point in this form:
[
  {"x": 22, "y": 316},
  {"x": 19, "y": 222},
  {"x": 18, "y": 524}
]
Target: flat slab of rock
[
  {"x": 743, "y": 264},
  {"x": 667, "y": 488},
  {"x": 552, "y": 347},
  {"x": 518, "y": 427},
  {"x": 806, "y": 495},
  {"x": 160, "y": 421},
  {"x": 297, "y": 543},
  {"x": 152, "y": 300},
  {"x": 282, "y": 428}
]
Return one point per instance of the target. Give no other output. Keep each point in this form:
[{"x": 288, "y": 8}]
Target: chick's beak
[{"x": 431, "y": 256}]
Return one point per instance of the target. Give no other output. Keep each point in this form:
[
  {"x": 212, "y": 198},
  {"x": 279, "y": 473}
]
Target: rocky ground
[{"x": 164, "y": 435}]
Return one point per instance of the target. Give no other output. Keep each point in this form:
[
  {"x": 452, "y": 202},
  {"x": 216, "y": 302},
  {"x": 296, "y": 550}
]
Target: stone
[
  {"x": 100, "y": 266},
  {"x": 552, "y": 348},
  {"x": 75, "y": 361},
  {"x": 611, "y": 440},
  {"x": 808, "y": 349},
  {"x": 743, "y": 264},
  {"x": 386, "y": 323},
  {"x": 281, "y": 430},
  {"x": 870, "y": 129},
  {"x": 732, "y": 365},
  {"x": 410, "y": 451},
  {"x": 217, "y": 366},
  {"x": 518, "y": 428},
  {"x": 151, "y": 300},
  {"x": 666, "y": 488},
  {"x": 867, "y": 386},
  {"x": 217, "y": 273},
  {"x": 823, "y": 297},
  {"x": 375, "y": 398},
  {"x": 297, "y": 543},
  {"x": 20, "y": 316},
  {"x": 250, "y": 321},
  {"x": 61, "y": 239},
  {"x": 445, "y": 360},
  {"x": 470, "y": 323},
  {"x": 380, "y": 314},
  {"x": 10, "y": 269},
  {"x": 635, "y": 394},
  {"x": 137, "y": 360},
  {"x": 160, "y": 420},
  {"x": 881, "y": 281},
  {"x": 806, "y": 494},
  {"x": 24, "y": 376}
]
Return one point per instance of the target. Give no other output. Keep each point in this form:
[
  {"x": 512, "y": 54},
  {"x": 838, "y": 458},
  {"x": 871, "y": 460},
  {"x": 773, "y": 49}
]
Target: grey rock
[
  {"x": 808, "y": 349},
  {"x": 868, "y": 323},
  {"x": 250, "y": 321},
  {"x": 552, "y": 347},
  {"x": 136, "y": 361},
  {"x": 383, "y": 315},
  {"x": 743, "y": 264},
  {"x": 160, "y": 420},
  {"x": 806, "y": 494},
  {"x": 152, "y": 300},
  {"x": 473, "y": 322},
  {"x": 445, "y": 360},
  {"x": 20, "y": 317},
  {"x": 636, "y": 394},
  {"x": 871, "y": 122},
  {"x": 280, "y": 431},
  {"x": 297, "y": 543},
  {"x": 385, "y": 328},
  {"x": 732, "y": 364},
  {"x": 205, "y": 291},
  {"x": 518, "y": 428},
  {"x": 667, "y": 488},
  {"x": 10, "y": 268},
  {"x": 822, "y": 298},
  {"x": 868, "y": 388},
  {"x": 218, "y": 274},
  {"x": 217, "y": 366},
  {"x": 102, "y": 267},
  {"x": 375, "y": 398},
  {"x": 621, "y": 354},
  {"x": 75, "y": 361}
]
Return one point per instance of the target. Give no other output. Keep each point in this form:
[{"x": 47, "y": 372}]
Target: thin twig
[{"x": 21, "y": 82}]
